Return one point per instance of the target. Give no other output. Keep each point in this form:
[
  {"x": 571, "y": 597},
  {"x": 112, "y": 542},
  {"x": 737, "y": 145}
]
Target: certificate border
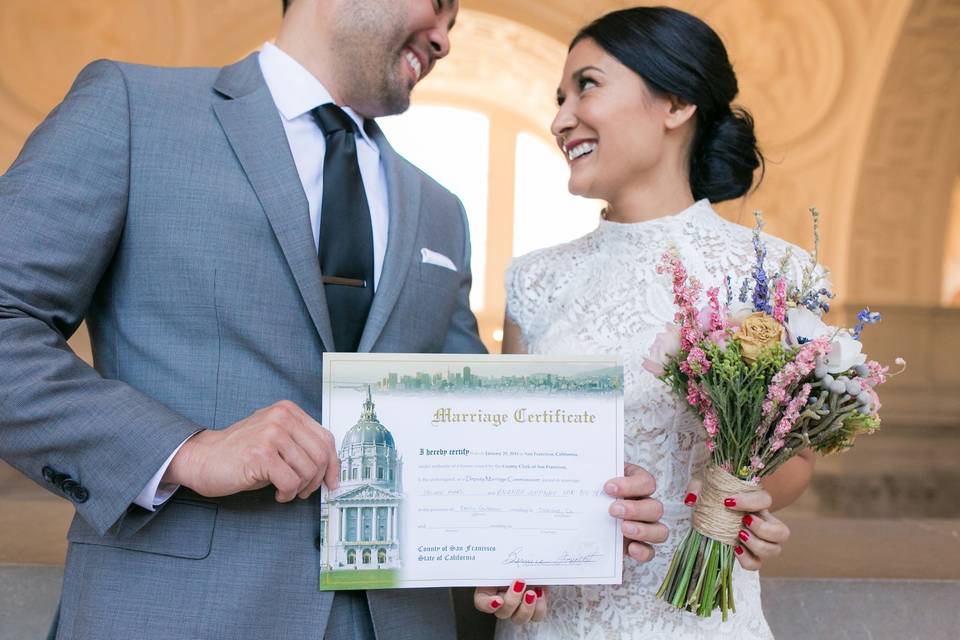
[{"x": 332, "y": 358}]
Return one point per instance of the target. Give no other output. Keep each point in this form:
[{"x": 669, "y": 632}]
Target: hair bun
[{"x": 725, "y": 155}]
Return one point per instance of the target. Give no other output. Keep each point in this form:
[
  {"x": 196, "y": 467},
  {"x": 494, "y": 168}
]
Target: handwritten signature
[{"x": 517, "y": 557}]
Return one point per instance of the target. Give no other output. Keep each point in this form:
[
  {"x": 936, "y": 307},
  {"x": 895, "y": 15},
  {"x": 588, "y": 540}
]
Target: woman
[{"x": 646, "y": 122}]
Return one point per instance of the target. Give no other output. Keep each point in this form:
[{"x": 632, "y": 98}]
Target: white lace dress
[{"x": 601, "y": 294}]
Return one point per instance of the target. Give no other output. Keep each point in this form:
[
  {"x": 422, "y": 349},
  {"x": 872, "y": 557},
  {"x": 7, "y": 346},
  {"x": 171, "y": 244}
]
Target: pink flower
[
  {"x": 780, "y": 300},
  {"x": 719, "y": 338},
  {"x": 665, "y": 346}
]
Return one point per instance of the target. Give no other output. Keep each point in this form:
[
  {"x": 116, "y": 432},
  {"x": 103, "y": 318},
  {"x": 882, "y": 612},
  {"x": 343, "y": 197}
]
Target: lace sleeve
[{"x": 519, "y": 299}]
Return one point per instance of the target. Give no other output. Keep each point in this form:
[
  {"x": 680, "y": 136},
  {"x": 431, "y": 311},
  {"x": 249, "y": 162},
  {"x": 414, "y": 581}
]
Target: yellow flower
[{"x": 757, "y": 333}]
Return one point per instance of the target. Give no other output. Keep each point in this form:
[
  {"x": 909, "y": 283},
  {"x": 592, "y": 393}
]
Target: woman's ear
[{"x": 680, "y": 113}]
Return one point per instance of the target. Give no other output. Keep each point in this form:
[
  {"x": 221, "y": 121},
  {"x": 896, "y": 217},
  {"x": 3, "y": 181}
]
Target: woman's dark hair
[{"x": 679, "y": 55}]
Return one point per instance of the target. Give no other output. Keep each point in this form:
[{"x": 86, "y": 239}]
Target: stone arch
[{"x": 901, "y": 216}]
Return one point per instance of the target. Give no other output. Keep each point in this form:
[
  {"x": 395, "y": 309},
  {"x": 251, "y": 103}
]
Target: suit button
[
  {"x": 60, "y": 478},
  {"x": 80, "y": 494},
  {"x": 48, "y": 474},
  {"x": 69, "y": 485}
]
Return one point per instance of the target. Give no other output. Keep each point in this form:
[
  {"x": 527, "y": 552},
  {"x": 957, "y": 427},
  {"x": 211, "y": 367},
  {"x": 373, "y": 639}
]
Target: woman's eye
[
  {"x": 586, "y": 83},
  {"x": 438, "y": 5}
]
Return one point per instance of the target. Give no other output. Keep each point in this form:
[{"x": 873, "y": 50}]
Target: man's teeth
[
  {"x": 581, "y": 150},
  {"x": 415, "y": 63}
]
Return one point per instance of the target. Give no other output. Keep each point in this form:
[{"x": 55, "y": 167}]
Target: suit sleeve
[
  {"x": 62, "y": 209},
  {"x": 462, "y": 334}
]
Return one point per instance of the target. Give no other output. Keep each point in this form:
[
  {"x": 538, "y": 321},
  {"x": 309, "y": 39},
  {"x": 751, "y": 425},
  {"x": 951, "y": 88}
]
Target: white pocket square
[{"x": 437, "y": 259}]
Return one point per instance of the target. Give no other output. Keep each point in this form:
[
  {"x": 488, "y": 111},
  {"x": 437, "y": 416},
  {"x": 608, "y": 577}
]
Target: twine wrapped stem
[{"x": 710, "y": 517}]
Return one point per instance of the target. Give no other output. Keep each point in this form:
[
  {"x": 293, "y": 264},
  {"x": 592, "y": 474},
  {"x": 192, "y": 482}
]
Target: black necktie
[{"x": 346, "y": 235}]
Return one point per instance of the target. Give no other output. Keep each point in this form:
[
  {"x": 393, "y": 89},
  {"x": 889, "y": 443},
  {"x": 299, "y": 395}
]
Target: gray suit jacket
[{"x": 164, "y": 207}]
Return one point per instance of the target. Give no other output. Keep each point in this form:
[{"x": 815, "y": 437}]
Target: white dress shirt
[{"x": 296, "y": 92}]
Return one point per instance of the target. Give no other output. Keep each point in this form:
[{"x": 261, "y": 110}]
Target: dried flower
[{"x": 757, "y": 333}]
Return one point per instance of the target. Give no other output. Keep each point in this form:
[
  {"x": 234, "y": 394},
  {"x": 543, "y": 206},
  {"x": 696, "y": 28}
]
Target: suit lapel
[
  {"x": 403, "y": 200},
  {"x": 252, "y": 125}
]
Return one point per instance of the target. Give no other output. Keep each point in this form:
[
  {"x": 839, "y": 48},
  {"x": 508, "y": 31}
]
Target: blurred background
[{"x": 857, "y": 104}]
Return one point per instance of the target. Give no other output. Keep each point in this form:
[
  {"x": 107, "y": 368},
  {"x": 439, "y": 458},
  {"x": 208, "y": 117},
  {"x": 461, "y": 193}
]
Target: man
[{"x": 219, "y": 230}]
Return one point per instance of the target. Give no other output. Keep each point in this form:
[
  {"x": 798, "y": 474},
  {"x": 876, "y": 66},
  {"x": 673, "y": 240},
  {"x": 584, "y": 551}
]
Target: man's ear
[{"x": 680, "y": 112}]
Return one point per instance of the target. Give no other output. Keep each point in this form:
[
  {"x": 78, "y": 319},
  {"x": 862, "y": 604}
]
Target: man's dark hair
[{"x": 286, "y": 5}]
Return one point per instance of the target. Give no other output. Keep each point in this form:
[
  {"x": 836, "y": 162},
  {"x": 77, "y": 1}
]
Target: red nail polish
[
  {"x": 530, "y": 598},
  {"x": 730, "y": 502},
  {"x": 748, "y": 520},
  {"x": 539, "y": 591},
  {"x": 738, "y": 550},
  {"x": 744, "y": 536},
  {"x": 518, "y": 586},
  {"x": 690, "y": 499},
  {"x": 495, "y": 604}
]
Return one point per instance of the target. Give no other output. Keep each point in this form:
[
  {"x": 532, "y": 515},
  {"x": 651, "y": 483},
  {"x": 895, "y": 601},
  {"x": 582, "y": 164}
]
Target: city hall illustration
[{"x": 359, "y": 522}]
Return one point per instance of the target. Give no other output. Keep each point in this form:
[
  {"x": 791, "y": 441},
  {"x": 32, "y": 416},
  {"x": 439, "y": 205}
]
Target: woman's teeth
[
  {"x": 581, "y": 150},
  {"x": 414, "y": 63}
]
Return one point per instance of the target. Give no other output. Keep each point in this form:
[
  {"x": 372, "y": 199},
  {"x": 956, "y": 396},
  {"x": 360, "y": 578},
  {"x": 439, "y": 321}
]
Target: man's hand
[
  {"x": 641, "y": 514},
  {"x": 279, "y": 445}
]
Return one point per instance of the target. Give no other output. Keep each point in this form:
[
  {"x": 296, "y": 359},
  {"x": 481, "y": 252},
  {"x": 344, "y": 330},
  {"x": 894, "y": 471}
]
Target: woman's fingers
[
  {"x": 487, "y": 599},
  {"x": 693, "y": 492},
  {"x": 746, "y": 558},
  {"x": 517, "y": 603},
  {"x": 512, "y": 599},
  {"x": 766, "y": 526},
  {"x": 752, "y": 502},
  {"x": 759, "y": 547},
  {"x": 540, "y": 610},
  {"x": 528, "y": 605}
]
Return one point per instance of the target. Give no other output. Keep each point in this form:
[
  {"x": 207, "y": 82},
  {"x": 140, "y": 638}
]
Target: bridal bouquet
[{"x": 768, "y": 378}]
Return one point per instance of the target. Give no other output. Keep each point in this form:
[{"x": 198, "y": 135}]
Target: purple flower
[{"x": 864, "y": 318}]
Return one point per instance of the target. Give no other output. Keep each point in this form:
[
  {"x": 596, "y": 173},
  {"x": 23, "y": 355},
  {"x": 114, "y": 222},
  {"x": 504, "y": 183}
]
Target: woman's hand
[
  {"x": 515, "y": 603},
  {"x": 640, "y": 513},
  {"x": 761, "y": 534}
]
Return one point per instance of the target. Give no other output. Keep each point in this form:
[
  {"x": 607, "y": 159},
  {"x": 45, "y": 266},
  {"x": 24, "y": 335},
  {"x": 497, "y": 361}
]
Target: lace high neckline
[{"x": 699, "y": 211}]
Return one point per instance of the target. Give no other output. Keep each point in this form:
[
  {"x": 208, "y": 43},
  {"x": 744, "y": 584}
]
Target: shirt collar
[{"x": 295, "y": 90}]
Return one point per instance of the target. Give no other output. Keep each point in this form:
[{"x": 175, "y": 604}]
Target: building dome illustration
[
  {"x": 367, "y": 431},
  {"x": 360, "y": 520}
]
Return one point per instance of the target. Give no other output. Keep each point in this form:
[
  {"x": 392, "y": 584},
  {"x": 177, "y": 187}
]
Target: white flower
[
  {"x": 804, "y": 326},
  {"x": 665, "y": 346},
  {"x": 739, "y": 311},
  {"x": 844, "y": 353}
]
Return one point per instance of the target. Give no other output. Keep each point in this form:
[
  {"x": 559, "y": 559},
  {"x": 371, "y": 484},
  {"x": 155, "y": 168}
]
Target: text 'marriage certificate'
[{"x": 471, "y": 470}]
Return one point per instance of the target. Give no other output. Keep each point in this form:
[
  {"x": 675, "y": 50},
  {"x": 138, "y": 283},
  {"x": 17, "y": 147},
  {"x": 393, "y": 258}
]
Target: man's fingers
[
  {"x": 298, "y": 460},
  {"x": 645, "y": 532},
  {"x": 284, "y": 478},
  {"x": 645, "y": 510},
  {"x": 640, "y": 551},
  {"x": 635, "y": 483},
  {"x": 332, "y": 477},
  {"x": 319, "y": 444}
]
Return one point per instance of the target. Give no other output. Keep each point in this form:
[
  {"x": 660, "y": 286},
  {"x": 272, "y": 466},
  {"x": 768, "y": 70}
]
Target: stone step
[{"x": 795, "y": 607}]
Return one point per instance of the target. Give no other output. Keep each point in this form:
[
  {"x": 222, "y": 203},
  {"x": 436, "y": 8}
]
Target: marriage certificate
[{"x": 471, "y": 470}]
